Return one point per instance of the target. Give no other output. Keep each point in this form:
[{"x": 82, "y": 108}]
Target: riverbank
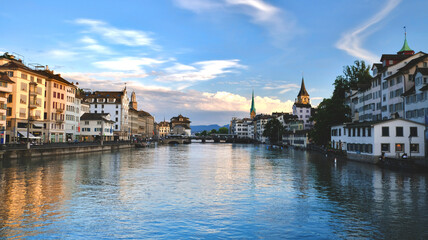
[{"x": 62, "y": 149}]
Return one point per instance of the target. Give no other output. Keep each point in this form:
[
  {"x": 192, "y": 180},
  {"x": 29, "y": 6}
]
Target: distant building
[
  {"x": 116, "y": 103},
  {"x": 164, "y": 128},
  {"x": 180, "y": 125},
  {"x": 242, "y": 128},
  {"x": 416, "y": 98},
  {"x": 302, "y": 107},
  {"x": 95, "y": 126}
]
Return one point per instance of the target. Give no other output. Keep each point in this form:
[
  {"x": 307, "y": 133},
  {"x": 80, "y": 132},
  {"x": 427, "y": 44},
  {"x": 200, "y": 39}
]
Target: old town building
[
  {"x": 180, "y": 125},
  {"x": 25, "y": 102},
  {"x": 5, "y": 89}
]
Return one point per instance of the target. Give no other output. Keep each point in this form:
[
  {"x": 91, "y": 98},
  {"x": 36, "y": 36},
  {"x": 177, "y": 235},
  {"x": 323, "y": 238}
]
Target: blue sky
[{"x": 202, "y": 58}]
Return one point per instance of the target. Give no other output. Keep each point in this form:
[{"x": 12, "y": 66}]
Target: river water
[{"x": 215, "y": 191}]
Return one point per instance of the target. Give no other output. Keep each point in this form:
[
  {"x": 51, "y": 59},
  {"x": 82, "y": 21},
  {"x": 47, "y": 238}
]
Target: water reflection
[{"x": 206, "y": 191}]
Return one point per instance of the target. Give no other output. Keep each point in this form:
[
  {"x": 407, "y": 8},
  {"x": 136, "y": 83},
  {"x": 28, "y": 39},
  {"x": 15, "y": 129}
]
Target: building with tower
[{"x": 302, "y": 107}]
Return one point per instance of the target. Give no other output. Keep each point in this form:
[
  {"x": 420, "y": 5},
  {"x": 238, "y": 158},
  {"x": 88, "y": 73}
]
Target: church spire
[
  {"x": 253, "y": 108},
  {"x": 406, "y": 50},
  {"x": 303, "y": 96}
]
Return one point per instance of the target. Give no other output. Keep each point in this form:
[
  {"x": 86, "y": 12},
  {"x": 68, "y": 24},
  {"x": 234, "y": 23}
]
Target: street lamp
[{"x": 31, "y": 91}]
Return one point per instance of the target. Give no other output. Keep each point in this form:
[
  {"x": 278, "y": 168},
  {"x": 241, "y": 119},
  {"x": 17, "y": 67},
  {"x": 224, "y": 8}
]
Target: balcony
[
  {"x": 33, "y": 105},
  {"x": 59, "y": 120},
  {"x": 59, "y": 110}
]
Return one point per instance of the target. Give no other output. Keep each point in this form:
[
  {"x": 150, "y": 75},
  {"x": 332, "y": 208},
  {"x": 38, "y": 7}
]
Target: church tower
[
  {"x": 303, "y": 96},
  {"x": 134, "y": 101},
  {"x": 405, "y": 50},
  {"x": 253, "y": 108}
]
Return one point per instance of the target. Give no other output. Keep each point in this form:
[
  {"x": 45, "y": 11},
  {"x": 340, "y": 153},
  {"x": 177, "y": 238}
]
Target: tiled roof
[
  {"x": 423, "y": 71},
  {"x": 94, "y": 116},
  {"x": 104, "y": 94},
  {"x": 50, "y": 75},
  {"x": 144, "y": 113},
  {"x": 398, "y": 57},
  {"x": 413, "y": 63}
]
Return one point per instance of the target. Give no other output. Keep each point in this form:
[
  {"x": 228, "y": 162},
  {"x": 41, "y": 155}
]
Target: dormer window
[{"x": 100, "y": 100}]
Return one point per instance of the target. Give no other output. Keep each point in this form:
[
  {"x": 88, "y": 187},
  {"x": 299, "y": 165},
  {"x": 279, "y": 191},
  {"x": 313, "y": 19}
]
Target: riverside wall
[{"x": 42, "y": 152}]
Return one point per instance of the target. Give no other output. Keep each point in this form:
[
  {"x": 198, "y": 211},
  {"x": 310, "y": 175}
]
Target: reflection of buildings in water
[{"x": 30, "y": 196}]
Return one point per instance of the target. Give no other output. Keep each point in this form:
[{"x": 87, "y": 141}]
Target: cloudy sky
[{"x": 202, "y": 58}]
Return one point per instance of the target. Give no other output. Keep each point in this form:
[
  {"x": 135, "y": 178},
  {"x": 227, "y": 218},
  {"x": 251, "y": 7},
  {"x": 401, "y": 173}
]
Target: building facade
[
  {"x": 5, "y": 89},
  {"x": 96, "y": 126},
  {"x": 302, "y": 107}
]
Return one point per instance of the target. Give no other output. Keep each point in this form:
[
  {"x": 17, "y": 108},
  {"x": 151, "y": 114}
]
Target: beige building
[
  {"x": 55, "y": 103},
  {"x": 164, "y": 128},
  {"x": 25, "y": 102},
  {"x": 180, "y": 125},
  {"x": 147, "y": 124},
  {"x": 5, "y": 90}
]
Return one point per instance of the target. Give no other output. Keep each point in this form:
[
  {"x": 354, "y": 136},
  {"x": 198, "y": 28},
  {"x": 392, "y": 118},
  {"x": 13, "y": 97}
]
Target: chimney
[{"x": 47, "y": 67}]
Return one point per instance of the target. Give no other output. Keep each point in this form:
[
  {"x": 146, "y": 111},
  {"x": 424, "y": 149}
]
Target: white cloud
[
  {"x": 88, "y": 40},
  {"x": 200, "y": 71},
  {"x": 132, "y": 38},
  {"x": 127, "y": 63},
  {"x": 58, "y": 53},
  {"x": 284, "y": 87},
  {"x": 351, "y": 42},
  {"x": 280, "y": 24},
  {"x": 98, "y": 49}
]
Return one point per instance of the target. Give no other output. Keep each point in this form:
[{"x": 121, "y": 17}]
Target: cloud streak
[
  {"x": 133, "y": 38},
  {"x": 280, "y": 24},
  {"x": 351, "y": 42}
]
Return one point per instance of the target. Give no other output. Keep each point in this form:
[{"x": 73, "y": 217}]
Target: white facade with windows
[
  {"x": 366, "y": 141},
  {"x": 242, "y": 128},
  {"x": 417, "y": 98},
  {"x": 72, "y": 113},
  {"x": 94, "y": 125}
]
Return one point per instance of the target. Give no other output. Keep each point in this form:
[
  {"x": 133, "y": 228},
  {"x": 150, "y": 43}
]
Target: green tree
[
  {"x": 334, "y": 111},
  {"x": 204, "y": 133},
  {"x": 223, "y": 130},
  {"x": 213, "y": 131},
  {"x": 273, "y": 130}
]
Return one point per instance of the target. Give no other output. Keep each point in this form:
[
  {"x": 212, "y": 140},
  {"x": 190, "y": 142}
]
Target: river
[{"x": 215, "y": 191}]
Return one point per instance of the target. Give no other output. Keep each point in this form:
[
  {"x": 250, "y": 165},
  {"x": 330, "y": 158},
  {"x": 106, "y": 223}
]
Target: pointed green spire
[
  {"x": 405, "y": 47},
  {"x": 253, "y": 108}
]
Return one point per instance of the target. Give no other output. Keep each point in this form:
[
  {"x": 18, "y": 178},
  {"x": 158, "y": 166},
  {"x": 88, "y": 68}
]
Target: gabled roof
[
  {"x": 396, "y": 57},
  {"x": 423, "y": 71},
  {"x": 424, "y": 88},
  {"x": 5, "y": 78},
  {"x": 413, "y": 63},
  {"x": 104, "y": 94},
  {"x": 15, "y": 65}
]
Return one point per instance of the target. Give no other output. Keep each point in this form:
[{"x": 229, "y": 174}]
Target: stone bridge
[{"x": 175, "y": 141}]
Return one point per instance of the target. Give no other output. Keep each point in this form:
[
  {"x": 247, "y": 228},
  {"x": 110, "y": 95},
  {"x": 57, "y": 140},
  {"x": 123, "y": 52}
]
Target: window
[
  {"x": 358, "y": 132},
  {"x": 385, "y": 131},
  {"x": 369, "y": 132},
  {"x": 117, "y": 112},
  {"x": 398, "y": 131},
  {"x": 364, "y": 131},
  {"x": 414, "y": 148},
  {"x": 86, "y": 122},
  {"x": 413, "y": 131},
  {"x": 399, "y": 147},
  {"x": 384, "y": 147}
]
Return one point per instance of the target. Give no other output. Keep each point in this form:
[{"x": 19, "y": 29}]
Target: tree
[
  {"x": 204, "y": 133},
  {"x": 273, "y": 130},
  {"x": 334, "y": 111},
  {"x": 213, "y": 131},
  {"x": 223, "y": 130}
]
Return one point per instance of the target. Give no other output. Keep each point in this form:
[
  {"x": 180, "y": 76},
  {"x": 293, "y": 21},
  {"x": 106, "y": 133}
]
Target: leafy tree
[
  {"x": 334, "y": 111},
  {"x": 223, "y": 130},
  {"x": 204, "y": 133},
  {"x": 357, "y": 74},
  {"x": 273, "y": 130},
  {"x": 213, "y": 131}
]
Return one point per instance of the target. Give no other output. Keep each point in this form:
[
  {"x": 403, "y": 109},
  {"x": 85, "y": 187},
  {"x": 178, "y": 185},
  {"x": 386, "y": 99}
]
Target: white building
[
  {"x": 416, "y": 106},
  {"x": 95, "y": 125},
  {"x": 72, "y": 113},
  {"x": 242, "y": 128},
  {"x": 366, "y": 141},
  {"x": 114, "y": 103},
  {"x": 259, "y": 127}
]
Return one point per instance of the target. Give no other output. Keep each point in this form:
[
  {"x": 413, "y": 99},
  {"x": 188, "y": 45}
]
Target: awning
[
  {"x": 38, "y": 125},
  {"x": 24, "y": 135}
]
